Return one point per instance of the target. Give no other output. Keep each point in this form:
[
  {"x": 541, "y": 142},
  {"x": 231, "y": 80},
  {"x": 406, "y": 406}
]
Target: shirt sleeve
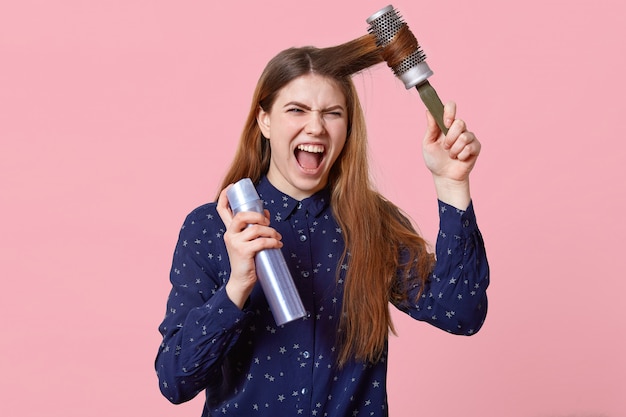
[
  {"x": 201, "y": 323},
  {"x": 454, "y": 297}
]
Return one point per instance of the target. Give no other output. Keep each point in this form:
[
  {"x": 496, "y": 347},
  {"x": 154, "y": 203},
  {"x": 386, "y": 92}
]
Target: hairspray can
[{"x": 271, "y": 268}]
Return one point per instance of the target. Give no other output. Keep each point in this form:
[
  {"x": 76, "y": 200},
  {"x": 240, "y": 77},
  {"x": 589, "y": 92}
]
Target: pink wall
[{"x": 118, "y": 117}]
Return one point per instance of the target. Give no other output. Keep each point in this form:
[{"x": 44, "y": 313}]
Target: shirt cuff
[
  {"x": 223, "y": 312},
  {"x": 455, "y": 221}
]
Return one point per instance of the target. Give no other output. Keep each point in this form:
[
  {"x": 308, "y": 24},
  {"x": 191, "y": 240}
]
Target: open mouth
[{"x": 309, "y": 156}]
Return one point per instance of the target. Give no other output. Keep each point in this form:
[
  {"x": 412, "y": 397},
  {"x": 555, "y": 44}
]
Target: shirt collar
[{"x": 281, "y": 206}]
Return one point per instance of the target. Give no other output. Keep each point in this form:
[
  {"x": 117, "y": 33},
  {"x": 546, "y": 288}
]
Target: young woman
[{"x": 351, "y": 253}]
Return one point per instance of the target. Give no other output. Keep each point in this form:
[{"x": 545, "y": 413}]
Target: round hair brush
[{"x": 405, "y": 57}]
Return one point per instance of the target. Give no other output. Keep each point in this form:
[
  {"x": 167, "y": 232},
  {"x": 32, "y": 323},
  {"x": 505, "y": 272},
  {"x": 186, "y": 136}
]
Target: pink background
[{"x": 118, "y": 117}]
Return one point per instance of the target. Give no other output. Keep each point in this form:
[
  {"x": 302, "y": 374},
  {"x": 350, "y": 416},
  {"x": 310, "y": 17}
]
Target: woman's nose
[{"x": 315, "y": 124}]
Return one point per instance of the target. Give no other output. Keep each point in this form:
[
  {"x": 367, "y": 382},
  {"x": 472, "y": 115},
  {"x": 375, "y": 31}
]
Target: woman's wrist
[
  {"x": 453, "y": 192},
  {"x": 237, "y": 294}
]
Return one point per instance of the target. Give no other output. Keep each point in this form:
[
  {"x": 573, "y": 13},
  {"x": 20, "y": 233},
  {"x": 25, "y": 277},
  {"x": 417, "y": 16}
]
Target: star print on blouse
[{"x": 249, "y": 366}]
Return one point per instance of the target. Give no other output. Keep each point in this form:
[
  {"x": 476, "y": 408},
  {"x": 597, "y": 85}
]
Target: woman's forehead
[{"x": 314, "y": 89}]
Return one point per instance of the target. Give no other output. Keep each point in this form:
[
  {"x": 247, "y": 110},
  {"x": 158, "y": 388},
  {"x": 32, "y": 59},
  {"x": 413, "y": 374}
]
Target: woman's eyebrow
[{"x": 304, "y": 106}]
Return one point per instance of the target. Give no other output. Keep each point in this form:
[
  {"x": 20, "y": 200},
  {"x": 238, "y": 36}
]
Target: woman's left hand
[{"x": 451, "y": 157}]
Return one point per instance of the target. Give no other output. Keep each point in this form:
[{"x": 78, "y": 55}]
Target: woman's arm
[
  {"x": 454, "y": 298},
  {"x": 201, "y": 322}
]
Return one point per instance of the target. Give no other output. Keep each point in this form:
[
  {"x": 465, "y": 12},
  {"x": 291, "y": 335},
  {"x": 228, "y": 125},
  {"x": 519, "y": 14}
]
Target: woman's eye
[{"x": 294, "y": 110}]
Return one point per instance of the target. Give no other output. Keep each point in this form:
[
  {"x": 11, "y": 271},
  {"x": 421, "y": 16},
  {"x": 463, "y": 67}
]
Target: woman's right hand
[{"x": 242, "y": 244}]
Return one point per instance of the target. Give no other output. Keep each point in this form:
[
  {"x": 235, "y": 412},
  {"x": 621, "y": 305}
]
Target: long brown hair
[{"x": 377, "y": 233}]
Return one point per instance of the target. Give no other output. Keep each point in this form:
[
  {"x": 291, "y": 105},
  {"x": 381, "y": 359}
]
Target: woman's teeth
[
  {"x": 311, "y": 148},
  {"x": 309, "y": 156}
]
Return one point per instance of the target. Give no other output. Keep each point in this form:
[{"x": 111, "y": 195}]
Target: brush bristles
[
  {"x": 386, "y": 25},
  {"x": 400, "y": 48},
  {"x": 409, "y": 62}
]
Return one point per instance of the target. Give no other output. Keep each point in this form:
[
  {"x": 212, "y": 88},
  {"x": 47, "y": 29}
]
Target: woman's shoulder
[{"x": 205, "y": 215}]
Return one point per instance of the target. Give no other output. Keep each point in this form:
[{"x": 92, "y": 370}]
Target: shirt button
[
  {"x": 302, "y": 238},
  {"x": 306, "y": 354},
  {"x": 305, "y": 274},
  {"x": 304, "y": 391}
]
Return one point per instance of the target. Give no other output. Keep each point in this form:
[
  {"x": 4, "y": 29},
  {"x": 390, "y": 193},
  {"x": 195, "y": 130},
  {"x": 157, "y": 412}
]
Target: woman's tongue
[{"x": 308, "y": 160}]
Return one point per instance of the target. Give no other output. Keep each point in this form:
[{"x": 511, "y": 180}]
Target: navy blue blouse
[{"x": 248, "y": 365}]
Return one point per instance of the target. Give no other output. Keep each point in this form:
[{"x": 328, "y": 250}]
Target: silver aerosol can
[{"x": 271, "y": 268}]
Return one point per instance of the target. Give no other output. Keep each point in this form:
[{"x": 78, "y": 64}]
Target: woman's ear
[{"x": 263, "y": 120}]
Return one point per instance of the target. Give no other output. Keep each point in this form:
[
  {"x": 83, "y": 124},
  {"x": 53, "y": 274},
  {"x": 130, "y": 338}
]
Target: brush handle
[{"x": 433, "y": 103}]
